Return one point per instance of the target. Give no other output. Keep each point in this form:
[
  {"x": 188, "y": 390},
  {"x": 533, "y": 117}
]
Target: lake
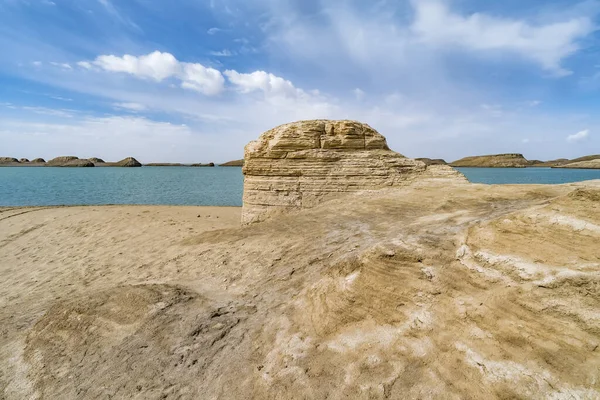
[{"x": 217, "y": 186}]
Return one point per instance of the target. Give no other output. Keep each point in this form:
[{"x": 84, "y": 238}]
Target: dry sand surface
[{"x": 463, "y": 292}]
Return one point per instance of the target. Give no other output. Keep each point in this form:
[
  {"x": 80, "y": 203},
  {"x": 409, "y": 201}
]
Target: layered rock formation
[
  {"x": 38, "y": 161},
  {"x": 298, "y": 165},
  {"x": 80, "y": 162},
  {"x": 511, "y": 160},
  {"x": 96, "y": 160}
]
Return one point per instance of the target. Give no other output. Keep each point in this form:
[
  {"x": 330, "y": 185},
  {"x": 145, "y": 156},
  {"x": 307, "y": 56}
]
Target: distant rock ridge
[
  {"x": 234, "y": 163},
  {"x": 298, "y": 165},
  {"x": 432, "y": 161},
  {"x": 507, "y": 160},
  {"x": 589, "y": 164}
]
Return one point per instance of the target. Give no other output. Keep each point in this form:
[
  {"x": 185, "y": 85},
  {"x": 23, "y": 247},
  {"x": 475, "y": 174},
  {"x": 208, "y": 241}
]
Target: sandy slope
[{"x": 424, "y": 292}]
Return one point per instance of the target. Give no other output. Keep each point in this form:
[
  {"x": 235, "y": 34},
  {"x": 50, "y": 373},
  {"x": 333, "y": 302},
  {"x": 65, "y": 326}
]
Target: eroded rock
[{"x": 298, "y": 165}]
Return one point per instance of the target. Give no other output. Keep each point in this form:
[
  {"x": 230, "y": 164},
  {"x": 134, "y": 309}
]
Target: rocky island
[
  {"x": 235, "y": 163},
  {"x": 511, "y": 160},
  {"x": 369, "y": 276}
]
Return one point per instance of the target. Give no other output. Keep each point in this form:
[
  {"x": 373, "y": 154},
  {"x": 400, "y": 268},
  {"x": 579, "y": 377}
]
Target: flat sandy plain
[{"x": 422, "y": 292}]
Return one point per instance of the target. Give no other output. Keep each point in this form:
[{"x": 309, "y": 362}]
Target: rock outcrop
[
  {"x": 511, "y": 160},
  {"x": 432, "y": 161},
  {"x": 24, "y": 160},
  {"x": 8, "y": 160},
  {"x": 80, "y": 162},
  {"x": 234, "y": 163},
  {"x": 96, "y": 160},
  {"x": 128, "y": 162},
  {"x": 298, "y": 165},
  {"x": 60, "y": 161},
  {"x": 203, "y": 165},
  {"x": 38, "y": 161},
  {"x": 551, "y": 163}
]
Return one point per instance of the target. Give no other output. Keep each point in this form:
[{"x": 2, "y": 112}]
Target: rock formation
[
  {"x": 8, "y": 160},
  {"x": 512, "y": 160},
  {"x": 589, "y": 164},
  {"x": 60, "y": 161},
  {"x": 204, "y": 165},
  {"x": 24, "y": 160},
  {"x": 38, "y": 161},
  {"x": 432, "y": 161},
  {"x": 80, "y": 162},
  {"x": 551, "y": 163},
  {"x": 96, "y": 160},
  {"x": 234, "y": 163},
  {"x": 128, "y": 162},
  {"x": 298, "y": 165}
]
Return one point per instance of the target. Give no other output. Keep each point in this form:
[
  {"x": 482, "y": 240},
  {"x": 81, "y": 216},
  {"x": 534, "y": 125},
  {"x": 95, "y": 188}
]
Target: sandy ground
[{"x": 424, "y": 292}]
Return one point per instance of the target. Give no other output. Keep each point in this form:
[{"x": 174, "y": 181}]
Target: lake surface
[
  {"x": 528, "y": 175},
  {"x": 37, "y": 186},
  {"x": 218, "y": 186}
]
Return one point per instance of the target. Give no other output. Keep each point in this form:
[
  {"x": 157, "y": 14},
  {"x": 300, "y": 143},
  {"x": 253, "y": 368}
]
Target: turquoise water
[
  {"x": 218, "y": 186},
  {"x": 33, "y": 186},
  {"x": 528, "y": 175}
]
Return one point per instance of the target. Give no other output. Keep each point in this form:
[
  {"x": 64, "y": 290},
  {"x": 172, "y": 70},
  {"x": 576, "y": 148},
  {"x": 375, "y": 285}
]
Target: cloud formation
[
  {"x": 546, "y": 44},
  {"x": 579, "y": 136},
  {"x": 160, "y": 66}
]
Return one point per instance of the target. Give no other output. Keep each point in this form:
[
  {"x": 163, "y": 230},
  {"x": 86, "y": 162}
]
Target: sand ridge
[{"x": 429, "y": 291}]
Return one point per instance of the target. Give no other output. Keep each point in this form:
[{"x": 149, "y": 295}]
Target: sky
[{"x": 195, "y": 80}]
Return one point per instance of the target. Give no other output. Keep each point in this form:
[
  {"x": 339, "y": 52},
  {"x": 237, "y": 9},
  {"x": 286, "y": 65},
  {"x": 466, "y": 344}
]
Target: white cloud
[
  {"x": 160, "y": 66},
  {"x": 213, "y": 31},
  {"x": 155, "y": 65},
  {"x": 62, "y": 65},
  {"x": 545, "y": 44},
  {"x": 268, "y": 83},
  {"x": 131, "y": 106},
  {"x": 85, "y": 64},
  {"x": 222, "y": 53},
  {"x": 204, "y": 80},
  {"x": 37, "y": 63},
  {"x": 579, "y": 136}
]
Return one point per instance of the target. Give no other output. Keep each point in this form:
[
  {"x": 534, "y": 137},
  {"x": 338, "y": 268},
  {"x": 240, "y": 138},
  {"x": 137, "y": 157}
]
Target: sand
[{"x": 421, "y": 292}]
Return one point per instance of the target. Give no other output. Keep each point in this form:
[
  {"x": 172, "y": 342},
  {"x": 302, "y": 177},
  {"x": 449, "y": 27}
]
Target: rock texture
[
  {"x": 24, "y": 160},
  {"x": 234, "y": 163},
  {"x": 511, "y": 160},
  {"x": 298, "y": 165},
  {"x": 38, "y": 161},
  {"x": 96, "y": 160}
]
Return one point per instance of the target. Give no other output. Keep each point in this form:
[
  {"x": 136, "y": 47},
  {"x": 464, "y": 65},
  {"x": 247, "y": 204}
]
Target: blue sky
[{"x": 195, "y": 80}]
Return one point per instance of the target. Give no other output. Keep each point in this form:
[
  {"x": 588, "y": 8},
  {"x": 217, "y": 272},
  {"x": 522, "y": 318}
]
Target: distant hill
[
  {"x": 588, "y": 164},
  {"x": 235, "y": 163},
  {"x": 510, "y": 160},
  {"x": 432, "y": 161}
]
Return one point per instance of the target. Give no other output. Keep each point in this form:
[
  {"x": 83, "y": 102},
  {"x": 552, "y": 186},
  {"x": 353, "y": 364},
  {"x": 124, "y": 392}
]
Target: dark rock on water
[{"x": 204, "y": 165}]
